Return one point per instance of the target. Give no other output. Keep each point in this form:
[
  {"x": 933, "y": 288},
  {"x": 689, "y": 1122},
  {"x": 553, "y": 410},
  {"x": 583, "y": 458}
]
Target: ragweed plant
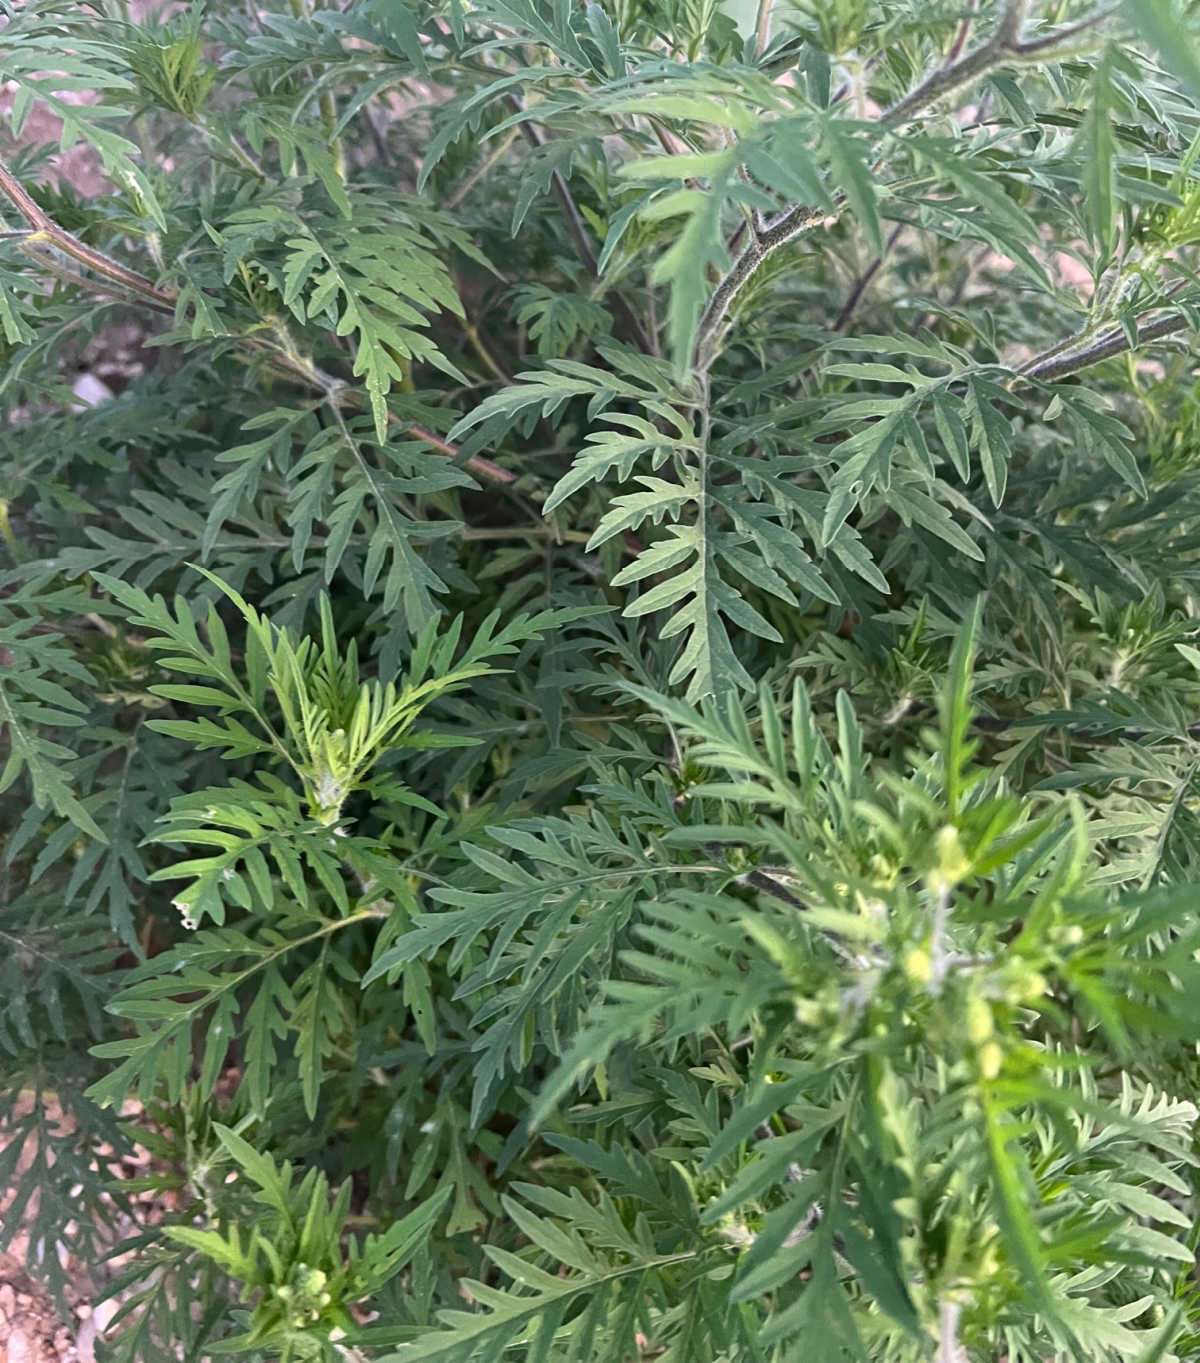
[{"x": 601, "y": 726}]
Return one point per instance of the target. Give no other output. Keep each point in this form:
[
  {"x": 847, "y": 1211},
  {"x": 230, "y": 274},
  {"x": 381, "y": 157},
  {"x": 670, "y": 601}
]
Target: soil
[
  {"x": 33, "y": 1329},
  {"x": 30, "y": 1328}
]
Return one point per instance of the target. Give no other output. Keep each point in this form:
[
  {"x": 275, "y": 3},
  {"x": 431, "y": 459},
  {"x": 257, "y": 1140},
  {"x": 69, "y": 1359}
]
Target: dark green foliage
[{"x": 600, "y": 741}]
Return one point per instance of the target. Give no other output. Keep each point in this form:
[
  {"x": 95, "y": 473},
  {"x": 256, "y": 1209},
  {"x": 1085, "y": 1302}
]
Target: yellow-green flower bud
[
  {"x": 953, "y": 863},
  {"x": 991, "y": 1059},
  {"x": 918, "y": 966},
  {"x": 979, "y": 1020}
]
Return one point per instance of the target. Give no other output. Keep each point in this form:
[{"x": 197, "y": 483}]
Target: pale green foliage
[
  {"x": 369, "y": 274},
  {"x": 291, "y": 1260},
  {"x": 602, "y": 729}
]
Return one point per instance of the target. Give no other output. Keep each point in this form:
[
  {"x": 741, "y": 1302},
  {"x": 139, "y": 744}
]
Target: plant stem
[
  {"x": 327, "y": 105},
  {"x": 1003, "y": 45},
  {"x": 946, "y": 79},
  {"x": 46, "y": 230},
  {"x": 1055, "y": 365},
  {"x": 798, "y": 219},
  {"x": 489, "y": 360},
  {"x": 246, "y": 157},
  {"x": 762, "y": 26},
  {"x": 862, "y": 283},
  {"x": 562, "y": 192},
  {"x": 960, "y": 38},
  {"x": 578, "y": 232},
  {"x": 1037, "y": 47},
  {"x": 482, "y": 169},
  {"x": 514, "y": 532},
  {"x": 52, "y": 267}
]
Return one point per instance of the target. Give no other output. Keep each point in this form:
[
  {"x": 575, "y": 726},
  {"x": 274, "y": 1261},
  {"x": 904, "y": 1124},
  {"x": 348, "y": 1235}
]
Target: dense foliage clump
[{"x": 600, "y": 728}]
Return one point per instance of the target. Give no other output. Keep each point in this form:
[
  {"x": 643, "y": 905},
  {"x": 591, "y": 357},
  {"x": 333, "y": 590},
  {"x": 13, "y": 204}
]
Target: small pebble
[
  {"x": 90, "y": 391},
  {"x": 85, "y": 1342},
  {"x": 103, "y": 1312}
]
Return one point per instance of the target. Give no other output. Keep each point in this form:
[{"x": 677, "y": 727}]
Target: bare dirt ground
[
  {"x": 30, "y": 1328},
  {"x": 33, "y": 1329}
]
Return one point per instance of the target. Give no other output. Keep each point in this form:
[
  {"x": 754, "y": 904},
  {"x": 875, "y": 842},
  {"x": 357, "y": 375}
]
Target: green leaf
[
  {"x": 1012, "y": 1206},
  {"x": 43, "y": 759},
  {"x": 1011, "y": 227},
  {"x": 1099, "y": 152},
  {"x": 990, "y": 433},
  {"x": 849, "y": 164},
  {"x": 1163, "y": 26}
]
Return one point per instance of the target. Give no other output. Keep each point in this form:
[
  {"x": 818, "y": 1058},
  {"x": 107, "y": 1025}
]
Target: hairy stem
[
  {"x": 1051, "y": 42},
  {"x": 1004, "y": 45},
  {"x": 1056, "y": 364},
  {"x": 45, "y": 229},
  {"x": 75, "y": 280}
]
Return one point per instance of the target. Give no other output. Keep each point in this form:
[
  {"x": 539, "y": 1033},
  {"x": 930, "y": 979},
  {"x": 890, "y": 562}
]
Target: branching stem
[
  {"x": 1051, "y": 42},
  {"x": 46, "y": 230},
  {"x": 1057, "y": 363},
  {"x": 1001, "y": 46}
]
